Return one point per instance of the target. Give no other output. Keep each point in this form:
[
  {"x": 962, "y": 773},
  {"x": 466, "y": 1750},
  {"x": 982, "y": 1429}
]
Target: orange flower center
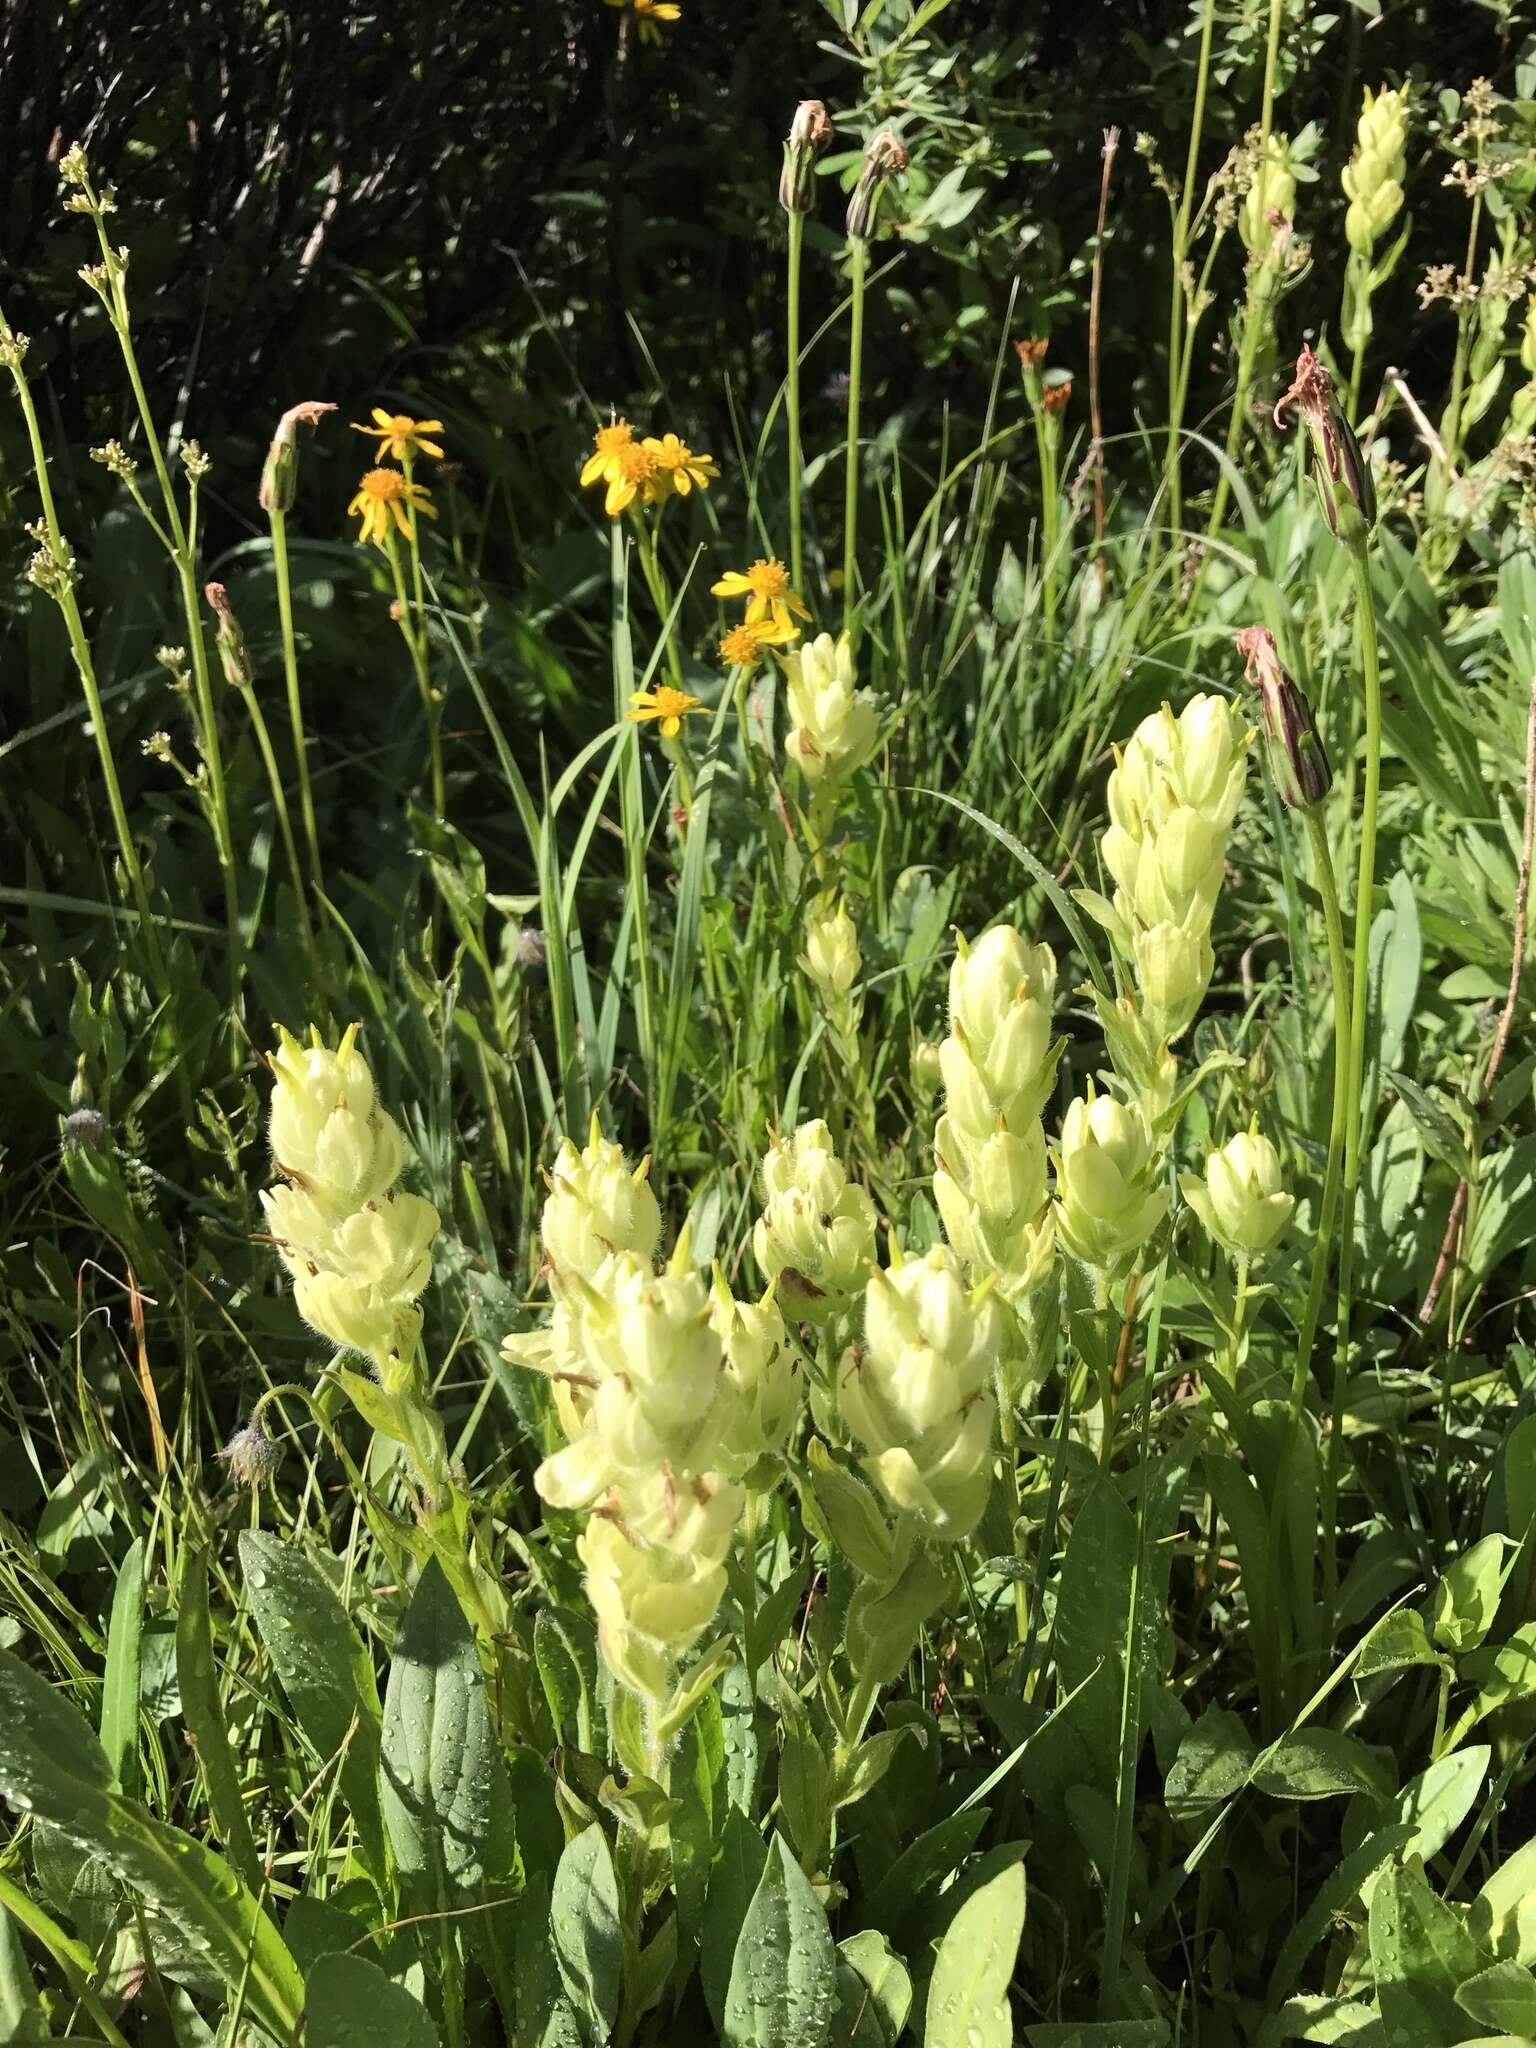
[
  {"x": 609, "y": 440},
  {"x": 383, "y": 484},
  {"x": 635, "y": 463},
  {"x": 673, "y": 454},
  {"x": 768, "y": 579},
  {"x": 672, "y": 703},
  {"x": 401, "y": 426},
  {"x": 741, "y": 648}
]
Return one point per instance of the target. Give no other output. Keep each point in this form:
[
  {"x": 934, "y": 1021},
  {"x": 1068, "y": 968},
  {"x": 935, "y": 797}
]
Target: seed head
[{"x": 250, "y": 1456}]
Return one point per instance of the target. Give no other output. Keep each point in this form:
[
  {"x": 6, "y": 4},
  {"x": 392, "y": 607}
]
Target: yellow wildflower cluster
[
  {"x": 649, "y": 15},
  {"x": 773, "y": 609},
  {"x": 387, "y": 500},
  {"x": 652, "y": 470}
]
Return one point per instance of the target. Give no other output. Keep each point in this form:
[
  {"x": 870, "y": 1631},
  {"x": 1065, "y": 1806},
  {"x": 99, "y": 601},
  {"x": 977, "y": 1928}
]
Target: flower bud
[
  {"x": 655, "y": 1572},
  {"x": 833, "y": 725},
  {"x": 655, "y": 1373},
  {"x": 992, "y": 1202},
  {"x": 918, "y": 1397},
  {"x": 280, "y": 471},
  {"x": 1373, "y": 177},
  {"x": 359, "y": 1252},
  {"x": 597, "y": 1205},
  {"x": 997, "y": 1060},
  {"x": 1108, "y": 1200},
  {"x": 883, "y": 159},
  {"x": 760, "y": 1376},
  {"x": 1242, "y": 1200},
  {"x": 831, "y": 957},
  {"x": 1297, "y": 759},
  {"x": 1270, "y": 198},
  {"x": 234, "y": 655},
  {"x": 816, "y": 1236},
  {"x": 809, "y": 134},
  {"x": 1345, "y": 488},
  {"x": 329, "y": 1136},
  {"x": 1174, "y": 965}
]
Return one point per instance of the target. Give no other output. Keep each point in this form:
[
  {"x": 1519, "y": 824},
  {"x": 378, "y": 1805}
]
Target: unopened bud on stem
[
  {"x": 885, "y": 158},
  {"x": 809, "y": 134},
  {"x": 280, "y": 472},
  {"x": 1343, "y": 477},
  {"x": 1297, "y": 759},
  {"x": 234, "y": 655}
]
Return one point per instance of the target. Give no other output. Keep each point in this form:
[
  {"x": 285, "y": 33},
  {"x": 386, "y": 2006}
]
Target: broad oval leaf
[
  {"x": 350, "y": 2003},
  {"x": 588, "y": 1931},
  {"x": 968, "y": 1994},
  {"x": 783, "y": 1989}
]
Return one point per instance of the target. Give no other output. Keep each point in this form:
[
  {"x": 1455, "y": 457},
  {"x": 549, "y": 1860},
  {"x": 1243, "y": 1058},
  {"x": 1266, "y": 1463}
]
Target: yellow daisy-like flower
[
  {"x": 631, "y": 469},
  {"x": 384, "y": 494},
  {"x": 607, "y": 443},
  {"x": 399, "y": 435},
  {"x": 677, "y": 468},
  {"x": 766, "y": 584},
  {"x": 744, "y": 646},
  {"x": 649, "y": 14},
  {"x": 665, "y": 704}
]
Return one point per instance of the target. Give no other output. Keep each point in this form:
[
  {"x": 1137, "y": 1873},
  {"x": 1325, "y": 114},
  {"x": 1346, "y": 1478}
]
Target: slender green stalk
[
  {"x": 1239, "y": 1314},
  {"x": 279, "y": 527},
  {"x": 1359, "y": 1001},
  {"x": 1338, "y": 967},
  {"x": 1178, "y": 304},
  {"x": 792, "y": 398},
  {"x": 284, "y": 822},
  {"x": 859, "y": 252},
  {"x": 79, "y": 647},
  {"x": 661, "y": 597},
  {"x": 412, "y": 638}
]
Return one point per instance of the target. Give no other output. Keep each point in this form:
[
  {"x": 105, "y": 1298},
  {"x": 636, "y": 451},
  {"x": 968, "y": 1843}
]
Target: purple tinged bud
[{"x": 1297, "y": 759}]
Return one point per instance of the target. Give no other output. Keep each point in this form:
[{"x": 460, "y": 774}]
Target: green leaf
[
  {"x": 1503, "y": 1996},
  {"x": 968, "y": 1993},
  {"x": 1442, "y": 1134},
  {"x": 696, "y": 1767},
  {"x": 588, "y": 1932},
  {"x": 922, "y": 1866},
  {"x": 803, "y": 1787},
  {"x": 350, "y": 2003},
  {"x": 1397, "y": 1643},
  {"x": 198, "y": 1679},
  {"x": 564, "y": 1650},
  {"x": 1467, "y": 1598},
  {"x": 1212, "y": 1766},
  {"x": 21, "y": 2013},
  {"x": 325, "y": 1672},
  {"x": 120, "y": 1689},
  {"x": 870, "y": 1762},
  {"x": 732, "y": 1886},
  {"x": 874, "y": 1993},
  {"x": 445, "y": 1797},
  {"x": 52, "y": 1766},
  {"x": 1438, "y": 1800},
  {"x": 1421, "y": 1952},
  {"x": 1320, "y": 1763},
  {"x": 783, "y": 1988}
]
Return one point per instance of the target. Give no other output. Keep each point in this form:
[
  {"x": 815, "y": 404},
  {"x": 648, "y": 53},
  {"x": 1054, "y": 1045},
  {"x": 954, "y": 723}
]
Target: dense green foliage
[{"x": 1191, "y": 1699}]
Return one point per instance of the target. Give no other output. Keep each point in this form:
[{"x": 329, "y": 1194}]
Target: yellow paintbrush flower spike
[
  {"x": 677, "y": 468},
  {"x": 665, "y": 704},
  {"x": 399, "y": 435},
  {"x": 385, "y": 495},
  {"x": 770, "y": 599},
  {"x": 649, "y": 15}
]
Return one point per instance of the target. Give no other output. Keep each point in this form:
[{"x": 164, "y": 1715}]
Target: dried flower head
[
  {"x": 809, "y": 134},
  {"x": 280, "y": 471},
  {"x": 195, "y": 462},
  {"x": 528, "y": 948},
  {"x": 1032, "y": 353},
  {"x": 883, "y": 159},
  {"x": 250, "y": 1456},
  {"x": 1343, "y": 478},
  {"x": 1056, "y": 397},
  {"x": 85, "y": 1130},
  {"x": 113, "y": 456},
  {"x": 13, "y": 347}
]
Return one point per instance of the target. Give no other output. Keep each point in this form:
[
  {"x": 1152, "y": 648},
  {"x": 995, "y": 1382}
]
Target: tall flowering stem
[
  {"x": 860, "y": 260},
  {"x": 57, "y": 557},
  {"x": 279, "y": 481},
  {"x": 109, "y": 280},
  {"x": 809, "y": 134}
]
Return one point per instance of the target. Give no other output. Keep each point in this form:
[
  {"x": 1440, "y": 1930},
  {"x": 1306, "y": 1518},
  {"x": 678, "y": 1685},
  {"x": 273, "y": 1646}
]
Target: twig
[
  {"x": 1425, "y": 425},
  {"x": 1506, "y": 1020},
  {"x": 1096, "y": 424}
]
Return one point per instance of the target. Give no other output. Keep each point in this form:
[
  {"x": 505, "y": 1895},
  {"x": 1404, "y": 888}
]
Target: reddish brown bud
[{"x": 1297, "y": 759}]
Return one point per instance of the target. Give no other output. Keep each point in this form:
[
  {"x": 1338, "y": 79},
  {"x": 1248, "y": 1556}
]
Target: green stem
[
  {"x": 1359, "y": 1000},
  {"x": 419, "y": 663},
  {"x": 1338, "y": 967},
  {"x": 279, "y": 527},
  {"x": 1239, "y": 1312},
  {"x": 859, "y": 252},
  {"x": 284, "y": 822},
  {"x": 792, "y": 399},
  {"x": 1178, "y": 310},
  {"x": 661, "y": 597},
  {"x": 79, "y": 647}
]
